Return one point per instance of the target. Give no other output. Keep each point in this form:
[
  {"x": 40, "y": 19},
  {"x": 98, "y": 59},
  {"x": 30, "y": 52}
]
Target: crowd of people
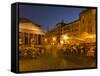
[
  {"x": 78, "y": 50},
  {"x": 83, "y": 49}
]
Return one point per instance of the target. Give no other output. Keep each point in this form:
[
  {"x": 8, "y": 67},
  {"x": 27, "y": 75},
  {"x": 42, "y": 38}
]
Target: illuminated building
[
  {"x": 55, "y": 32},
  {"x": 72, "y": 29},
  {"x": 85, "y": 25},
  {"x": 30, "y": 33},
  {"x": 88, "y": 21}
]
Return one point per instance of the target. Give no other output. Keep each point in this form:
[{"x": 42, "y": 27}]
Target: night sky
[{"x": 49, "y": 16}]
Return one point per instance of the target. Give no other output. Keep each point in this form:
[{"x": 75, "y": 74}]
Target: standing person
[
  {"x": 64, "y": 49},
  {"x": 78, "y": 49},
  {"x": 71, "y": 50},
  {"x": 81, "y": 50},
  {"x": 84, "y": 49},
  {"x": 75, "y": 50},
  {"x": 91, "y": 52}
]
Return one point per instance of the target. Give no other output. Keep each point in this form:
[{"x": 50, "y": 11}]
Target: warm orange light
[
  {"x": 85, "y": 35},
  {"x": 91, "y": 36},
  {"x": 54, "y": 38},
  {"x": 65, "y": 37},
  {"x": 62, "y": 42},
  {"x": 45, "y": 40}
]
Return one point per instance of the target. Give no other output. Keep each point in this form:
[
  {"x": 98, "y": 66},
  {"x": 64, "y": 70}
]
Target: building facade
[
  {"x": 53, "y": 36},
  {"x": 30, "y": 33},
  {"x": 88, "y": 21},
  {"x": 72, "y": 29},
  {"x": 84, "y": 26}
]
